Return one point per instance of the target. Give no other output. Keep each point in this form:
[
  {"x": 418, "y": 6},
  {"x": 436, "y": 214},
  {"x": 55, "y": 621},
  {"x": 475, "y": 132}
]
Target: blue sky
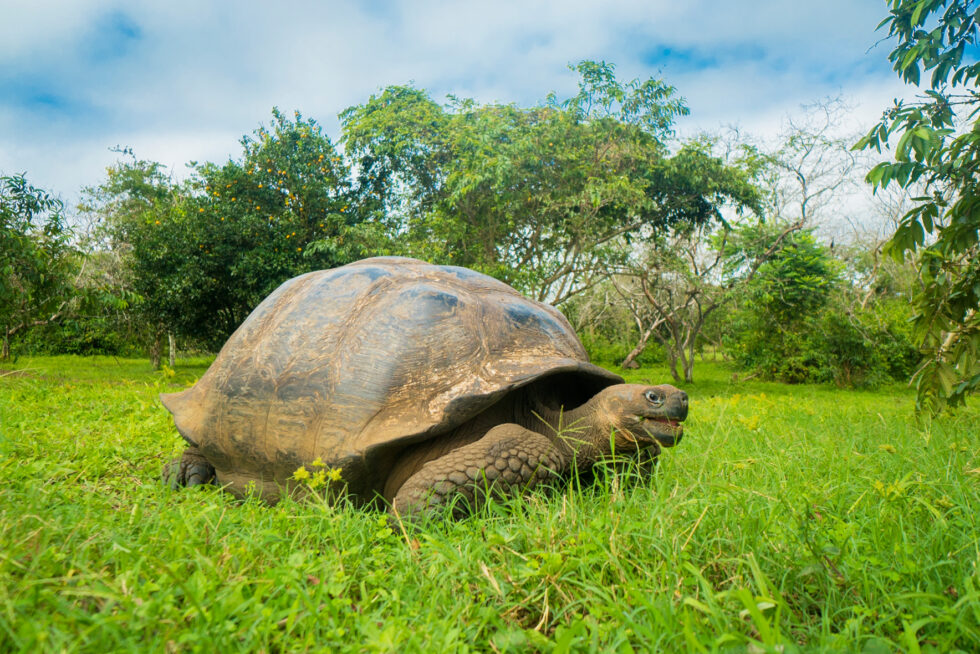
[{"x": 182, "y": 81}]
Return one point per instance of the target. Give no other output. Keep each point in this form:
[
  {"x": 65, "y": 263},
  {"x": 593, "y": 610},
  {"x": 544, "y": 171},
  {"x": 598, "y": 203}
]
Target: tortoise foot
[{"x": 191, "y": 469}]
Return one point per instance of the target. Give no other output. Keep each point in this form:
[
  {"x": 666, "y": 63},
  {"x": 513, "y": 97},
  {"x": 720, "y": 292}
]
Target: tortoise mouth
[{"x": 666, "y": 431}]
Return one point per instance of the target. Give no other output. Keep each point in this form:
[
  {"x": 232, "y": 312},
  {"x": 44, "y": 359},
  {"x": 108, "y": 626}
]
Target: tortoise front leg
[
  {"x": 191, "y": 469},
  {"x": 507, "y": 460}
]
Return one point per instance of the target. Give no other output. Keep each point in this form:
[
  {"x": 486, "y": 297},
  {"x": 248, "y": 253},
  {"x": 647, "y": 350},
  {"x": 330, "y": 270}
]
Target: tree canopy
[
  {"x": 589, "y": 202},
  {"x": 541, "y": 197},
  {"x": 202, "y": 254}
]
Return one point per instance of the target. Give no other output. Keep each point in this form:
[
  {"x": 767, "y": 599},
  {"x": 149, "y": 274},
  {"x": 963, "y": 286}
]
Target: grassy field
[{"x": 790, "y": 518}]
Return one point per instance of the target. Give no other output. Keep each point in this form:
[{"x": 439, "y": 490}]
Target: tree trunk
[
  {"x": 672, "y": 360},
  {"x": 686, "y": 364},
  {"x": 172, "y": 360},
  {"x": 5, "y": 352},
  {"x": 630, "y": 360},
  {"x": 155, "y": 348},
  {"x": 689, "y": 361}
]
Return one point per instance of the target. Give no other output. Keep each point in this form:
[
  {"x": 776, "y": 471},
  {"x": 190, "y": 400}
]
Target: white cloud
[
  {"x": 184, "y": 80},
  {"x": 28, "y": 23}
]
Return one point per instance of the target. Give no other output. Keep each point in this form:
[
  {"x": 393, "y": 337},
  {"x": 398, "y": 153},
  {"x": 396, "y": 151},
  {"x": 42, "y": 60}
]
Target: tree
[
  {"x": 281, "y": 210},
  {"x": 400, "y": 142},
  {"x": 938, "y": 147},
  {"x": 791, "y": 285},
  {"x": 538, "y": 197},
  {"x": 671, "y": 289},
  {"x": 202, "y": 254},
  {"x": 812, "y": 166},
  {"x": 677, "y": 283},
  {"x": 818, "y": 314},
  {"x": 37, "y": 261},
  {"x": 144, "y": 221},
  {"x": 671, "y": 282}
]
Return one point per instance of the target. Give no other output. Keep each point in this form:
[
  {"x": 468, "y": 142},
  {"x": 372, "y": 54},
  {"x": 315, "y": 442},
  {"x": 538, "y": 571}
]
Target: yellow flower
[
  {"x": 201, "y": 210},
  {"x": 318, "y": 463},
  {"x": 333, "y": 474},
  {"x": 301, "y": 474}
]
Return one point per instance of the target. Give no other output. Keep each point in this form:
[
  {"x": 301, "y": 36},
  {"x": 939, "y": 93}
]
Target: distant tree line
[{"x": 658, "y": 249}]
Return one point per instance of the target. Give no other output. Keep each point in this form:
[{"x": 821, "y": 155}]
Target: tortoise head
[{"x": 643, "y": 416}]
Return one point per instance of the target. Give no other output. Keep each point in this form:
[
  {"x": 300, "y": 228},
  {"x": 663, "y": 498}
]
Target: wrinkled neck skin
[{"x": 584, "y": 434}]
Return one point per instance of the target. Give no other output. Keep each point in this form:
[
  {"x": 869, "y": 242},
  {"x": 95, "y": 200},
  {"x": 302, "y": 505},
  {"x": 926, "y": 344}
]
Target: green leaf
[
  {"x": 946, "y": 376},
  {"x": 902, "y": 149},
  {"x": 917, "y": 13}
]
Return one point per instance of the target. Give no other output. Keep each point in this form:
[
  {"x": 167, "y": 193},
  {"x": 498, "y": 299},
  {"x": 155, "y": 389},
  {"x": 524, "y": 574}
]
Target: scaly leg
[
  {"x": 191, "y": 469},
  {"x": 507, "y": 460}
]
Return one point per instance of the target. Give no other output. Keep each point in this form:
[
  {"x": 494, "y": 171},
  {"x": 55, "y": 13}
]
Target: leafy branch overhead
[{"x": 938, "y": 151}]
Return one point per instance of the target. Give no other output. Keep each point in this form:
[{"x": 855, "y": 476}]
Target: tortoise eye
[{"x": 656, "y": 398}]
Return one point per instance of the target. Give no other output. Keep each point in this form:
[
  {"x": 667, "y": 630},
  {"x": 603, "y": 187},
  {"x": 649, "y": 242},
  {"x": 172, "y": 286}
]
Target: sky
[{"x": 182, "y": 81}]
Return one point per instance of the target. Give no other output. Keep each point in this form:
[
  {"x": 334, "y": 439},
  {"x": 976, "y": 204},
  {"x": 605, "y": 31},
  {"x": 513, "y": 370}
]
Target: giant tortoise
[{"x": 422, "y": 384}]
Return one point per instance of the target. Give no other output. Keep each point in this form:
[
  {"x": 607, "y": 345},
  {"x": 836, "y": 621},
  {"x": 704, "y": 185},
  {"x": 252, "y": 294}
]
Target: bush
[
  {"x": 848, "y": 346},
  {"x": 83, "y": 335}
]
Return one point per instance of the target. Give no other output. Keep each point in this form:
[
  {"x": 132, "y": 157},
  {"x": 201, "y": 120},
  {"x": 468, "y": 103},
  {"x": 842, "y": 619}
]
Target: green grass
[{"x": 790, "y": 517}]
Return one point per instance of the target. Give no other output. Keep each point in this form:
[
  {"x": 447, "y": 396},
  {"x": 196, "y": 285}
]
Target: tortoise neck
[{"x": 579, "y": 433}]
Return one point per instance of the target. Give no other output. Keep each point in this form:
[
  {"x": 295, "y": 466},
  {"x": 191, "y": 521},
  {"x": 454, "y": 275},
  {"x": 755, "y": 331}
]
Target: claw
[{"x": 191, "y": 469}]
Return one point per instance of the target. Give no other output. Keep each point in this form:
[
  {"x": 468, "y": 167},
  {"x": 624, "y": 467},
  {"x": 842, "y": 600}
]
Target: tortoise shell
[{"x": 353, "y": 364}]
